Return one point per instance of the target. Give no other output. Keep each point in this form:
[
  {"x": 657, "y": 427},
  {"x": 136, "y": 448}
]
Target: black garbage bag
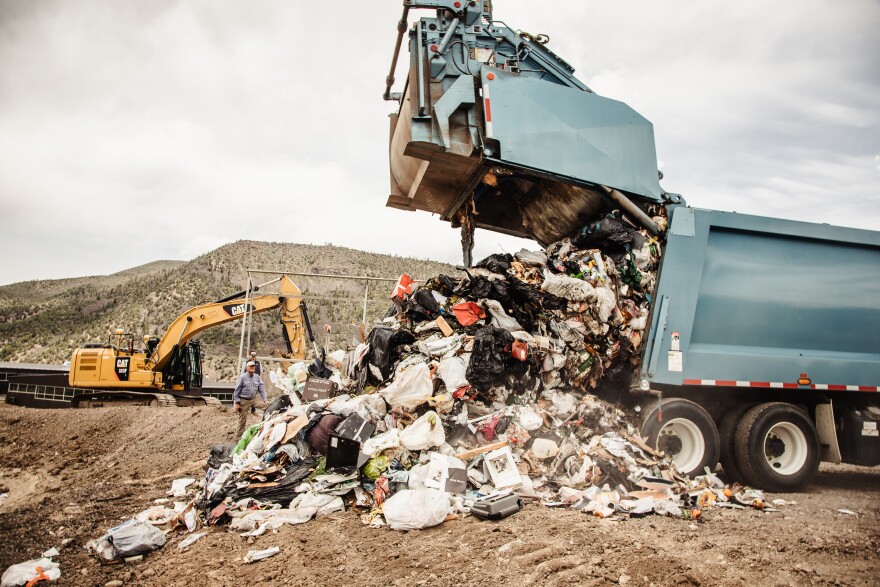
[
  {"x": 279, "y": 404},
  {"x": 523, "y": 294},
  {"x": 282, "y": 493},
  {"x": 220, "y": 454},
  {"x": 483, "y": 287},
  {"x": 444, "y": 284},
  {"x": 498, "y": 263},
  {"x": 422, "y": 306},
  {"x": 383, "y": 349},
  {"x": 611, "y": 235},
  {"x": 490, "y": 357}
]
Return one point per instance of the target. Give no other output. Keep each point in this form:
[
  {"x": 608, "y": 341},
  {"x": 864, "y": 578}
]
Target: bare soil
[{"x": 72, "y": 474}]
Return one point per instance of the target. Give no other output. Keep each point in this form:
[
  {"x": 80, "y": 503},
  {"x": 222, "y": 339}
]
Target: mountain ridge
[{"x": 43, "y": 321}]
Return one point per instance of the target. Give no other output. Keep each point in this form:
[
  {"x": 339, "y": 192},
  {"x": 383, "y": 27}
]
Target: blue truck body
[{"x": 757, "y": 301}]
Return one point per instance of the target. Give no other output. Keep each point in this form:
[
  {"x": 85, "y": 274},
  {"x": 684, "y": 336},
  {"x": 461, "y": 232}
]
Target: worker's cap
[
  {"x": 253, "y": 353},
  {"x": 251, "y": 364}
]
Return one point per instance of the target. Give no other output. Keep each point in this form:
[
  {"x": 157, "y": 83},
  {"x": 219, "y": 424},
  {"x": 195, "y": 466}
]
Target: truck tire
[
  {"x": 776, "y": 447},
  {"x": 727, "y": 433},
  {"x": 687, "y": 433}
]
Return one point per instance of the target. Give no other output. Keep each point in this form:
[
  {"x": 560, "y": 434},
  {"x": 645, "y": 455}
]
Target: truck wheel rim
[
  {"x": 683, "y": 441},
  {"x": 785, "y": 448}
]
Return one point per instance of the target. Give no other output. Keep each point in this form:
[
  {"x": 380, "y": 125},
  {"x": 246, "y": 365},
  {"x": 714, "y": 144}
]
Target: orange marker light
[{"x": 490, "y": 76}]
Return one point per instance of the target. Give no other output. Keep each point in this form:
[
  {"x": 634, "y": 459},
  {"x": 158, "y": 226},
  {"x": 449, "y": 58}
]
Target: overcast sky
[{"x": 135, "y": 130}]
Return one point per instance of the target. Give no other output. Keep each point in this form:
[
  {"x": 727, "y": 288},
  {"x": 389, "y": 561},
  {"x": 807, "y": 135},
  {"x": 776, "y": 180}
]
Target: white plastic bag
[
  {"x": 128, "y": 539},
  {"x": 381, "y": 442},
  {"x": 424, "y": 433},
  {"x": 411, "y": 388},
  {"x": 410, "y": 509},
  {"x": 439, "y": 347},
  {"x": 178, "y": 486},
  {"x": 500, "y": 319},
  {"x": 567, "y": 287},
  {"x": 452, "y": 371},
  {"x": 21, "y": 573}
]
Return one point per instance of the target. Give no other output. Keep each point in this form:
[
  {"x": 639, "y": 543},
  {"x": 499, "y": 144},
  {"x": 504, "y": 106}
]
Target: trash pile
[{"x": 472, "y": 396}]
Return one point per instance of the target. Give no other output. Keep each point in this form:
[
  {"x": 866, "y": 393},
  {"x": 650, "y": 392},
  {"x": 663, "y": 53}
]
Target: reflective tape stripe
[
  {"x": 777, "y": 385},
  {"x": 487, "y": 107}
]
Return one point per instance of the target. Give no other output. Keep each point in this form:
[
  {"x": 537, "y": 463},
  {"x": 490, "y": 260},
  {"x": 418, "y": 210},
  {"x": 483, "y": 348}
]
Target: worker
[
  {"x": 253, "y": 358},
  {"x": 249, "y": 392}
]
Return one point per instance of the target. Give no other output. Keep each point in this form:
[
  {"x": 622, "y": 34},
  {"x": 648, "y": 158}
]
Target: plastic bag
[
  {"x": 500, "y": 319},
  {"x": 279, "y": 404},
  {"x": 570, "y": 288},
  {"x": 383, "y": 342},
  {"x": 22, "y": 573},
  {"x": 467, "y": 313},
  {"x": 439, "y": 347},
  {"x": 128, "y": 539},
  {"x": 487, "y": 364},
  {"x": 424, "y": 433},
  {"x": 375, "y": 467},
  {"x": 422, "y": 306},
  {"x": 411, "y": 388},
  {"x": 609, "y": 234},
  {"x": 497, "y": 263},
  {"x": 414, "y": 509},
  {"x": 381, "y": 442},
  {"x": 531, "y": 258},
  {"x": 246, "y": 438},
  {"x": 220, "y": 453},
  {"x": 452, "y": 372}
]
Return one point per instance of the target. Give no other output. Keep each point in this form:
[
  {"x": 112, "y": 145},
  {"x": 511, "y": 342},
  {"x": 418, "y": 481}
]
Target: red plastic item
[
  {"x": 468, "y": 312},
  {"x": 403, "y": 287},
  {"x": 520, "y": 350}
]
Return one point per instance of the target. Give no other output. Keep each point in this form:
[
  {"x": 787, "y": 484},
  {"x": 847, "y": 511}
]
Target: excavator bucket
[{"x": 292, "y": 318}]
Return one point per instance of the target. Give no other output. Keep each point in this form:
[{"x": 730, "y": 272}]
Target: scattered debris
[
  {"x": 31, "y": 572},
  {"x": 253, "y": 556},
  {"x": 848, "y": 512},
  {"x": 191, "y": 539}
]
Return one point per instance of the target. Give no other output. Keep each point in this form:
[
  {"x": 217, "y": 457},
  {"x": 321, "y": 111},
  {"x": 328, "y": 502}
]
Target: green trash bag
[
  {"x": 246, "y": 438},
  {"x": 376, "y": 466}
]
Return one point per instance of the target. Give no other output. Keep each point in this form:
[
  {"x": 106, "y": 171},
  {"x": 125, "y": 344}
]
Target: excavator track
[
  {"x": 102, "y": 399},
  {"x": 43, "y": 391}
]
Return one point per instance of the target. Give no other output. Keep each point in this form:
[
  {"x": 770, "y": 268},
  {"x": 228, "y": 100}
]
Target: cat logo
[
  {"x": 236, "y": 310},
  {"x": 121, "y": 368}
]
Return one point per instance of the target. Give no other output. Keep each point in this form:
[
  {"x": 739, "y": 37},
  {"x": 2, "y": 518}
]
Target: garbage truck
[{"x": 763, "y": 346}]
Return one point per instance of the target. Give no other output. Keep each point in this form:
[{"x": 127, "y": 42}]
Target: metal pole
[
  {"x": 248, "y": 314},
  {"x": 447, "y": 37},
  {"x": 389, "y": 81},
  {"x": 366, "y": 291},
  {"x": 632, "y": 209},
  {"x": 346, "y": 277}
]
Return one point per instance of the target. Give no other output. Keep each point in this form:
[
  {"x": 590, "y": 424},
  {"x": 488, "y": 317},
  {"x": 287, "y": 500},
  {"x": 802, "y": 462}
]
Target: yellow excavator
[{"x": 167, "y": 370}]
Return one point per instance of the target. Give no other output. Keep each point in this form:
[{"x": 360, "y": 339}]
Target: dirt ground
[{"x": 72, "y": 474}]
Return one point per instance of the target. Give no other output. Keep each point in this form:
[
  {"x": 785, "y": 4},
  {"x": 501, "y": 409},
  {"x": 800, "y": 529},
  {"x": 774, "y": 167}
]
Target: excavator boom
[{"x": 199, "y": 318}]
